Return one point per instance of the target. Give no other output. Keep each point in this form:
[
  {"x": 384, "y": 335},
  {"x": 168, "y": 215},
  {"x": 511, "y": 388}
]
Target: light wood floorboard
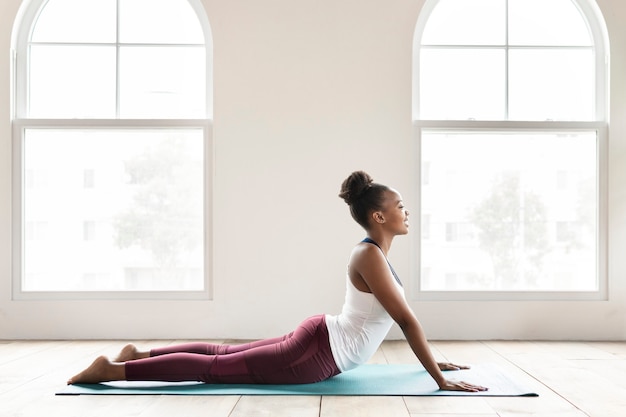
[{"x": 573, "y": 379}]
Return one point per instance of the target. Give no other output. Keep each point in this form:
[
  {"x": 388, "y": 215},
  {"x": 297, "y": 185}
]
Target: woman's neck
[{"x": 383, "y": 241}]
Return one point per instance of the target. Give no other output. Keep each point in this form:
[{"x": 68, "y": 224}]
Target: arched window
[
  {"x": 112, "y": 139},
  {"x": 510, "y": 105}
]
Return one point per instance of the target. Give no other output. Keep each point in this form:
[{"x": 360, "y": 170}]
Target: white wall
[{"x": 305, "y": 92}]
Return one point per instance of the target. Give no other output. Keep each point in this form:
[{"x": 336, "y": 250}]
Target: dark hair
[{"x": 363, "y": 195}]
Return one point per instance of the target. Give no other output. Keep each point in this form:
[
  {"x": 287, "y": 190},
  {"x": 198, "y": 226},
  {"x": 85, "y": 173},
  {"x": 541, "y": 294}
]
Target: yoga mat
[{"x": 387, "y": 380}]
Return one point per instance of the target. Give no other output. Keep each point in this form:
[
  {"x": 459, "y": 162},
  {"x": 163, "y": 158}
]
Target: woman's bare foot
[
  {"x": 100, "y": 370},
  {"x": 127, "y": 353},
  {"x": 130, "y": 353}
]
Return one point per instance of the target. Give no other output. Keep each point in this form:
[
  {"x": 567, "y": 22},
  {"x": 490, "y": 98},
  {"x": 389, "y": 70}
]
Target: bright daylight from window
[
  {"x": 515, "y": 216},
  {"x": 116, "y": 210},
  {"x": 110, "y": 206}
]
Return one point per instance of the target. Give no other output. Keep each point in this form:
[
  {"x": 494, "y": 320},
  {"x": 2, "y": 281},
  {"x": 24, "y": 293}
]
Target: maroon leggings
[{"x": 302, "y": 356}]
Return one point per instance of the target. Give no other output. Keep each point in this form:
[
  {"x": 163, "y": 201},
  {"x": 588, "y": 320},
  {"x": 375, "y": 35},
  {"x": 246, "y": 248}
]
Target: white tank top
[{"x": 358, "y": 331}]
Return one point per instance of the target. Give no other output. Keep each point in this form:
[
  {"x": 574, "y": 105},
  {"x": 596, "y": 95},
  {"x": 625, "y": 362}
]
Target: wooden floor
[{"x": 571, "y": 378}]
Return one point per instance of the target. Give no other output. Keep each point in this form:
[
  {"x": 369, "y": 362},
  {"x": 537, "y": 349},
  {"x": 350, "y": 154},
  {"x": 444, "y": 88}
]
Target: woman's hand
[
  {"x": 457, "y": 385},
  {"x": 447, "y": 366},
  {"x": 461, "y": 386}
]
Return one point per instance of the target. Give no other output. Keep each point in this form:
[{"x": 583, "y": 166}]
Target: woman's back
[{"x": 359, "y": 329}]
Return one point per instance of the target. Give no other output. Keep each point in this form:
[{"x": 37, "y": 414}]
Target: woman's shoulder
[
  {"x": 364, "y": 248},
  {"x": 365, "y": 253}
]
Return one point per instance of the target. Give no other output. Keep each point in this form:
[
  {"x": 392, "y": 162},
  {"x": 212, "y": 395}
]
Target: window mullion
[
  {"x": 506, "y": 60},
  {"x": 117, "y": 60}
]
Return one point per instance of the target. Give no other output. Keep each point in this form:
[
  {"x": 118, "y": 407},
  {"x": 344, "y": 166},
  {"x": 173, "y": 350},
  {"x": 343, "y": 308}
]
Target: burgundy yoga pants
[{"x": 302, "y": 356}]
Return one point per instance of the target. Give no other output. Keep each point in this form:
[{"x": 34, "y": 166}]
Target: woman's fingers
[
  {"x": 462, "y": 386},
  {"x": 471, "y": 387},
  {"x": 448, "y": 366}
]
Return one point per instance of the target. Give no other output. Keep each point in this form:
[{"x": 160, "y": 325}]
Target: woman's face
[{"x": 396, "y": 216}]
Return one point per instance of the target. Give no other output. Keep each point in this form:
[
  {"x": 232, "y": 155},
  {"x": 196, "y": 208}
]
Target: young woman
[{"x": 322, "y": 346}]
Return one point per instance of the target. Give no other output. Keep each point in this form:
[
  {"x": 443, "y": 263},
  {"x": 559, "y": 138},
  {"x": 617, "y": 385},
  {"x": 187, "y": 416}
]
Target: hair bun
[{"x": 354, "y": 186}]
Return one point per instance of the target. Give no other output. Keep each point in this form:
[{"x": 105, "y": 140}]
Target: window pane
[
  {"x": 462, "y": 84},
  {"x": 547, "y": 22},
  {"x": 509, "y": 212},
  {"x": 76, "y": 21},
  {"x": 138, "y": 227},
  {"x": 159, "y": 21},
  {"x": 162, "y": 82},
  {"x": 72, "y": 81},
  {"x": 551, "y": 84},
  {"x": 463, "y": 22}
]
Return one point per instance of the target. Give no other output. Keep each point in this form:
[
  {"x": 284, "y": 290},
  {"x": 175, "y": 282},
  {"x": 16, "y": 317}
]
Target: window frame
[
  {"x": 593, "y": 17},
  {"x": 23, "y": 29},
  {"x": 20, "y": 126},
  {"x": 515, "y": 127}
]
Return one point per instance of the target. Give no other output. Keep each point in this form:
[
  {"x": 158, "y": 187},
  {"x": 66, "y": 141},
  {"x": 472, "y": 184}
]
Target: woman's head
[{"x": 364, "y": 196}]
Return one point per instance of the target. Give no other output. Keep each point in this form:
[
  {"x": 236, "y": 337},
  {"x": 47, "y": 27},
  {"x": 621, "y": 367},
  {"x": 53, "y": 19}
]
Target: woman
[{"x": 322, "y": 346}]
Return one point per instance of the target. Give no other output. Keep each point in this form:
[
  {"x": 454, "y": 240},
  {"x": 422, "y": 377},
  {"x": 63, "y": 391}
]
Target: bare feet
[
  {"x": 130, "y": 353},
  {"x": 100, "y": 370}
]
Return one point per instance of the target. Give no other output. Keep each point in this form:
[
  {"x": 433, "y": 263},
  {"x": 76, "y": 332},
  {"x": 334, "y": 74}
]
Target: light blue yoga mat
[{"x": 388, "y": 380}]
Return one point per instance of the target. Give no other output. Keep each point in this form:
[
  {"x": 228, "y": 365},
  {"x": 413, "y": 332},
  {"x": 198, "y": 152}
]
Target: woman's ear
[{"x": 378, "y": 217}]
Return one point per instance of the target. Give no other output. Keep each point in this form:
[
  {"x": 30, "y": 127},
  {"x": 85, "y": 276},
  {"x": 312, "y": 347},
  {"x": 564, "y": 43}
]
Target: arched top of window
[
  {"x": 136, "y": 21},
  {"x": 510, "y": 60},
  {"x": 113, "y": 59}
]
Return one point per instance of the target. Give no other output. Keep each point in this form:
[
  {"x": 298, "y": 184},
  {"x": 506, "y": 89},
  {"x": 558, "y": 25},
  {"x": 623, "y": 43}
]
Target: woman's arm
[{"x": 369, "y": 265}]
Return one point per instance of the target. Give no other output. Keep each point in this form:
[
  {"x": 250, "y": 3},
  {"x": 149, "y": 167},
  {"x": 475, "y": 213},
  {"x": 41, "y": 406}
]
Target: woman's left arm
[{"x": 416, "y": 338}]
